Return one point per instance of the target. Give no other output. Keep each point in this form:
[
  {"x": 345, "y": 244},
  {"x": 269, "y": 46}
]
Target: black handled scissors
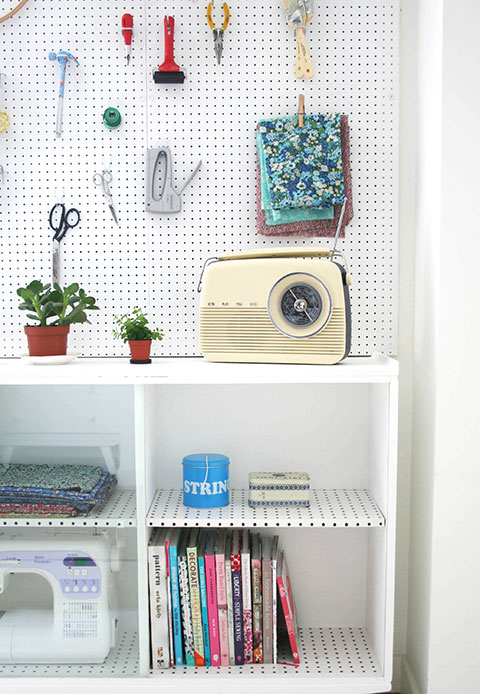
[{"x": 61, "y": 220}]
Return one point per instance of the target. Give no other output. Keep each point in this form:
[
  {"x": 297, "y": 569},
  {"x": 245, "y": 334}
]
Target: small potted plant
[
  {"x": 133, "y": 328},
  {"x": 55, "y": 309}
]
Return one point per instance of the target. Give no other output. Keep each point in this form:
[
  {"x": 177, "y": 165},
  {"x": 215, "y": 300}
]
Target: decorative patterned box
[{"x": 279, "y": 489}]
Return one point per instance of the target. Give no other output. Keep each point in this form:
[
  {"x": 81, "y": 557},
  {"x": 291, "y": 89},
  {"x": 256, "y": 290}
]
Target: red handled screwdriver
[{"x": 127, "y": 31}]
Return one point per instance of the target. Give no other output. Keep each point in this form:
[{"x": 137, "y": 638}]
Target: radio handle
[{"x": 276, "y": 253}]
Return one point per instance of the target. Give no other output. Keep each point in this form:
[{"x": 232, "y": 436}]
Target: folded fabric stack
[
  {"x": 53, "y": 490},
  {"x": 303, "y": 176}
]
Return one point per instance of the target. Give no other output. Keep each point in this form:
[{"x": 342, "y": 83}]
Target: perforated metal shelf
[
  {"x": 328, "y": 508},
  {"x": 122, "y": 661},
  {"x": 118, "y": 511},
  {"x": 327, "y": 653}
]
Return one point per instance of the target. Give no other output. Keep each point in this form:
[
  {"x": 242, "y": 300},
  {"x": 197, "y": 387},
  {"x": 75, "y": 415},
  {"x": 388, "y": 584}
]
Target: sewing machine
[{"x": 78, "y": 565}]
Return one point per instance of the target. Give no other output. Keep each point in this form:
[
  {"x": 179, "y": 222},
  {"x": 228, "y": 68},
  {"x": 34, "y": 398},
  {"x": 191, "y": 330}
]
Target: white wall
[{"x": 442, "y": 641}]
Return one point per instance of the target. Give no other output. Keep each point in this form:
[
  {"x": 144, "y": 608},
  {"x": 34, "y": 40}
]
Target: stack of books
[{"x": 219, "y": 598}]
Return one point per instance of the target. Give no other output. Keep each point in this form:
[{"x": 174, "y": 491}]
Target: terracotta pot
[
  {"x": 47, "y": 341},
  {"x": 140, "y": 349}
]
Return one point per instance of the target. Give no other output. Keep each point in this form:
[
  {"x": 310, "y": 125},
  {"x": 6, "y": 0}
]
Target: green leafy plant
[
  {"x": 55, "y": 306},
  {"x": 134, "y": 326}
]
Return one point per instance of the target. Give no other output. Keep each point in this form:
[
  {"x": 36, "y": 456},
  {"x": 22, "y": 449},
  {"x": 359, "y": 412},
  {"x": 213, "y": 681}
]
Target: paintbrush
[{"x": 299, "y": 13}]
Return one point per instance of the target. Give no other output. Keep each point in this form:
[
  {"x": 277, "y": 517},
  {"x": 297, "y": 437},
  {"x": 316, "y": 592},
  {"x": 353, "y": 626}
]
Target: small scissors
[
  {"x": 61, "y": 220},
  {"x": 104, "y": 179}
]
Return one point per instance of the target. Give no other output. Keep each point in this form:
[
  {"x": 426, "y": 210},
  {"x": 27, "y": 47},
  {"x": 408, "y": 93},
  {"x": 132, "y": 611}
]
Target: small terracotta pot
[
  {"x": 140, "y": 349},
  {"x": 47, "y": 341}
]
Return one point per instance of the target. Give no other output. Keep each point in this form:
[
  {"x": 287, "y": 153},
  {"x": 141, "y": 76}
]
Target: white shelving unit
[{"x": 338, "y": 423}]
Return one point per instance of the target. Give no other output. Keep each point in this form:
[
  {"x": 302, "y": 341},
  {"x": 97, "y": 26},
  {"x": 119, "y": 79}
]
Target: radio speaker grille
[{"x": 242, "y": 330}]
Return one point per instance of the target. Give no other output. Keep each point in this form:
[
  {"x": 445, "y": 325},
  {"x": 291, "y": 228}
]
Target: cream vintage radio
[{"x": 284, "y": 305}]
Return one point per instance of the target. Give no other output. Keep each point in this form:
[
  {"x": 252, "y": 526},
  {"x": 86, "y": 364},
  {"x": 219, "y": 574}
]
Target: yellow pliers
[{"x": 218, "y": 33}]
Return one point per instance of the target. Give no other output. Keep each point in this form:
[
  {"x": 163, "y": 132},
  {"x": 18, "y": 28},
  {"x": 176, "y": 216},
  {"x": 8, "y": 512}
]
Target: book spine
[
  {"x": 247, "y": 609},
  {"x": 212, "y": 609},
  {"x": 228, "y": 582},
  {"x": 186, "y": 614},
  {"x": 176, "y": 611},
  {"x": 288, "y": 620},
  {"x": 195, "y": 606},
  {"x": 222, "y": 609},
  {"x": 204, "y": 608},
  {"x": 236, "y": 563},
  {"x": 274, "y": 611},
  {"x": 169, "y": 606},
  {"x": 267, "y": 612},
  {"x": 257, "y": 610},
  {"x": 158, "y": 607}
]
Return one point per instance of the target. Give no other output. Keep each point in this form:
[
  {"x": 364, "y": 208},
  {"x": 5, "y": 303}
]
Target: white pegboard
[
  {"x": 326, "y": 653},
  {"x": 329, "y": 508},
  {"x": 155, "y": 261},
  {"x": 122, "y": 661},
  {"x": 118, "y": 511}
]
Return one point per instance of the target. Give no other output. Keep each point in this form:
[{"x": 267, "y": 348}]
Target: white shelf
[
  {"x": 328, "y": 508},
  {"x": 122, "y": 661},
  {"x": 330, "y": 654},
  {"x": 195, "y": 370},
  {"x": 118, "y": 511}
]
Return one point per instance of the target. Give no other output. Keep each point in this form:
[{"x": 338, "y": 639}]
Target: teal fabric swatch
[{"x": 288, "y": 215}]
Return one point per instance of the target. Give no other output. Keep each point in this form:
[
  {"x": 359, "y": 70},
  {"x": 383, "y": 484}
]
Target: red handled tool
[
  {"x": 127, "y": 31},
  {"x": 169, "y": 72}
]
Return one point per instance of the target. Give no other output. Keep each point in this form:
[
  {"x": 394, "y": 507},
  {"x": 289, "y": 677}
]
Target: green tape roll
[{"x": 112, "y": 118}]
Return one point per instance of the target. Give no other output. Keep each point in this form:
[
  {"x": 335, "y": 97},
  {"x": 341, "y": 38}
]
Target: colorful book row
[{"x": 219, "y": 598}]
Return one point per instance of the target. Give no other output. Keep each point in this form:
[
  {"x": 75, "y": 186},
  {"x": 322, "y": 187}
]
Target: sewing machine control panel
[{"x": 77, "y": 573}]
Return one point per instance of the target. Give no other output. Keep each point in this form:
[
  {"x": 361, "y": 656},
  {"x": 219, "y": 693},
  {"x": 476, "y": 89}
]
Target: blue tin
[{"x": 205, "y": 480}]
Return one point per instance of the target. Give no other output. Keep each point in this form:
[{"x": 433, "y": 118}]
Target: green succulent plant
[
  {"x": 55, "y": 306},
  {"x": 134, "y": 326}
]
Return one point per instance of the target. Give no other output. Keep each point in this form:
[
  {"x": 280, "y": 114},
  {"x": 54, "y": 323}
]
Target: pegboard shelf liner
[
  {"x": 328, "y": 508},
  {"x": 118, "y": 511}
]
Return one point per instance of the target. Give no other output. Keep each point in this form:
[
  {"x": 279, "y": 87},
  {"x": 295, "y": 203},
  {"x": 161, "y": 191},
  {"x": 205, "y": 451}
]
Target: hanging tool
[
  {"x": 104, "y": 179},
  {"x": 60, "y": 220},
  {"x": 299, "y": 13},
  {"x": 169, "y": 72},
  {"x": 169, "y": 201},
  {"x": 2, "y": 174},
  {"x": 112, "y": 118},
  {"x": 63, "y": 57},
  {"x": 4, "y": 119},
  {"x": 127, "y": 31},
  {"x": 218, "y": 33}
]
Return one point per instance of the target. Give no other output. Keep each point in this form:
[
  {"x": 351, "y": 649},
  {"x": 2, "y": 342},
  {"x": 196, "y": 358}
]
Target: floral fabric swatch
[{"x": 304, "y": 165}]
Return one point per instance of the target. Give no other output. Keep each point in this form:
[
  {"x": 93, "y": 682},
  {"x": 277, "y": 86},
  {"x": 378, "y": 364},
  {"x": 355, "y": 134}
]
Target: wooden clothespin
[{"x": 301, "y": 109}]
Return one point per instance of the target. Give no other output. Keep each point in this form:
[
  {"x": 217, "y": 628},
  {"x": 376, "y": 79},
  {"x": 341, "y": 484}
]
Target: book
[
  {"x": 228, "y": 583},
  {"x": 211, "y": 587},
  {"x": 274, "y": 597},
  {"x": 267, "y": 600},
  {"x": 169, "y": 600},
  {"x": 174, "y": 540},
  {"x": 222, "y": 597},
  {"x": 257, "y": 599},
  {"x": 247, "y": 600},
  {"x": 202, "y": 540},
  {"x": 195, "y": 606},
  {"x": 185, "y": 601},
  {"x": 157, "y": 580},
  {"x": 236, "y": 566},
  {"x": 288, "y": 607}
]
